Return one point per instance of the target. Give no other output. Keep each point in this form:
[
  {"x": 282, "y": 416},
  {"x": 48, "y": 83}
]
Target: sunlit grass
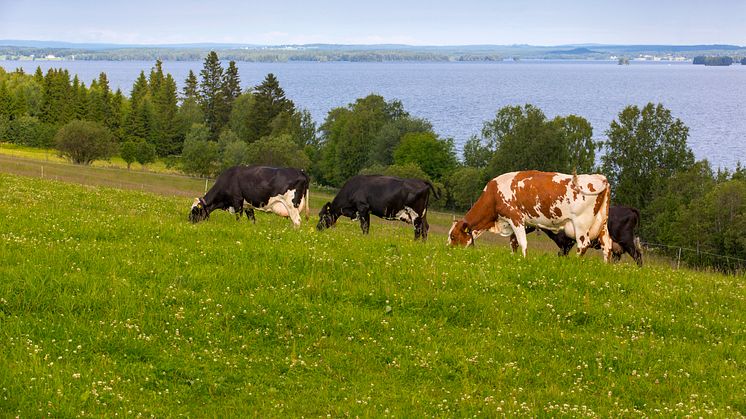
[{"x": 113, "y": 304}]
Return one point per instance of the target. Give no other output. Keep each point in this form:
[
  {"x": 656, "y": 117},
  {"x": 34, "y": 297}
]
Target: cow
[
  {"x": 387, "y": 197},
  {"x": 623, "y": 221},
  {"x": 242, "y": 189},
  {"x": 575, "y": 204}
]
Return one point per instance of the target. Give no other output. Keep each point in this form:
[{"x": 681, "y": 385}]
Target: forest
[{"x": 212, "y": 124}]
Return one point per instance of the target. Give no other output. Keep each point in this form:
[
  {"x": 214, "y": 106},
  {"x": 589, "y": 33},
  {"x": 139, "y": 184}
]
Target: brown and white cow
[{"x": 575, "y": 204}]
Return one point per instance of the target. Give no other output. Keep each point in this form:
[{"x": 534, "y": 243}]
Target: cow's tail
[
  {"x": 308, "y": 202},
  {"x": 638, "y": 244},
  {"x": 436, "y": 193}
]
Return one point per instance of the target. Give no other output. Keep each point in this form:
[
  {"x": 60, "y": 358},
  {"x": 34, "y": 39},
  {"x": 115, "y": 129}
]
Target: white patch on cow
[
  {"x": 282, "y": 205},
  {"x": 231, "y": 210},
  {"x": 503, "y": 185},
  {"x": 408, "y": 215}
]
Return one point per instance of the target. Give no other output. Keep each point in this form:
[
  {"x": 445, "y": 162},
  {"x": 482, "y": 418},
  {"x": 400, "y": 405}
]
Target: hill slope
[{"x": 111, "y": 303}]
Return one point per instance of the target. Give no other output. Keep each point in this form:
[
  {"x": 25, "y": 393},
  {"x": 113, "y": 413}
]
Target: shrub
[{"x": 82, "y": 142}]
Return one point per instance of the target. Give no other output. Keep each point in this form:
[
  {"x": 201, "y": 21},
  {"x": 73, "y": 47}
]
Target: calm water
[{"x": 458, "y": 97}]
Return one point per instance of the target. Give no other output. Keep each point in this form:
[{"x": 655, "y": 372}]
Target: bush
[{"x": 82, "y": 142}]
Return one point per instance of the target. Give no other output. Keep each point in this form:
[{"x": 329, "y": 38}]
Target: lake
[{"x": 458, "y": 97}]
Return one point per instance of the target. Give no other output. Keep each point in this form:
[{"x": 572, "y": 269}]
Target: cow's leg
[
  {"x": 364, "y": 216},
  {"x": 418, "y": 228},
  {"x": 238, "y": 208},
  {"x": 520, "y": 235},
  {"x": 425, "y": 228},
  {"x": 631, "y": 249},
  {"x": 294, "y": 214},
  {"x": 583, "y": 232},
  {"x": 250, "y": 215},
  {"x": 513, "y": 243},
  {"x": 638, "y": 251}
]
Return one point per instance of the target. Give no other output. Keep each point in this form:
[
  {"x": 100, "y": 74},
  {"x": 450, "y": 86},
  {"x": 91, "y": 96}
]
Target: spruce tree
[
  {"x": 139, "y": 89},
  {"x": 269, "y": 102},
  {"x": 156, "y": 77},
  {"x": 166, "y": 123},
  {"x": 191, "y": 87},
  {"x": 39, "y": 76},
  {"x": 231, "y": 82},
  {"x": 213, "y": 100}
]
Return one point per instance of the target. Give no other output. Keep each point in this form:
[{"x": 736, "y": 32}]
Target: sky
[{"x": 434, "y": 22}]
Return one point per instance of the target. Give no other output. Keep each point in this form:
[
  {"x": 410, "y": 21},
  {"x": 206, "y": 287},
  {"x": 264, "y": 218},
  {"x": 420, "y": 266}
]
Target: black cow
[
  {"x": 622, "y": 223},
  {"x": 388, "y": 197},
  {"x": 283, "y": 191}
]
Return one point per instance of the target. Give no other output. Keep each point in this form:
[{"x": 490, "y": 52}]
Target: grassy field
[{"x": 112, "y": 304}]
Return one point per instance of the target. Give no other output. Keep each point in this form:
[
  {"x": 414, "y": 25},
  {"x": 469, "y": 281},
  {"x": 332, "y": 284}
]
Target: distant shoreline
[{"x": 54, "y": 51}]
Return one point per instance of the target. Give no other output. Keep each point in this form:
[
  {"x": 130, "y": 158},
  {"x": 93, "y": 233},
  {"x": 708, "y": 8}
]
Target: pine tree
[
  {"x": 114, "y": 119},
  {"x": 140, "y": 89},
  {"x": 166, "y": 123},
  {"x": 57, "y": 95},
  {"x": 213, "y": 100},
  {"x": 156, "y": 77},
  {"x": 39, "y": 76},
  {"x": 191, "y": 87},
  {"x": 79, "y": 100},
  {"x": 269, "y": 102},
  {"x": 231, "y": 82},
  {"x": 104, "y": 100}
]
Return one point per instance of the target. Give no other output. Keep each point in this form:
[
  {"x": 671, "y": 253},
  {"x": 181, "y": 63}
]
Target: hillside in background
[{"x": 19, "y": 49}]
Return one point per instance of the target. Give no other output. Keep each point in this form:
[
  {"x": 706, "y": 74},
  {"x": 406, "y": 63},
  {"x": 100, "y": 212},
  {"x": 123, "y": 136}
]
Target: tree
[
  {"x": 212, "y": 95},
  {"x": 390, "y": 135},
  {"x": 277, "y": 151},
  {"x": 231, "y": 82},
  {"x": 232, "y": 150},
  {"x": 128, "y": 152},
  {"x": 145, "y": 153},
  {"x": 465, "y": 184},
  {"x": 476, "y": 154},
  {"x": 577, "y": 134},
  {"x": 200, "y": 155},
  {"x": 523, "y": 139},
  {"x": 644, "y": 147},
  {"x": 84, "y": 141},
  {"x": 269, "y": 103},
  {"x": 166, "y": 124},
  {"x": 435, "y": 156},
  {"x": 347, "y": 136},
  {"x": 191, "y": 87}
]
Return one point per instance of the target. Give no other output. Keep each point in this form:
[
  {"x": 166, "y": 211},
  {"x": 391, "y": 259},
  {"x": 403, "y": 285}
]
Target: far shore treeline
[{"x": 213, "y": 124}]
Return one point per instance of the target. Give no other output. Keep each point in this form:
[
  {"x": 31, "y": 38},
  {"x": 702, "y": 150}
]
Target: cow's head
[
  {"x": 327, "y": 217},
  {"x": 199, "y": 211},
  {"x": 460, "y": 234}
]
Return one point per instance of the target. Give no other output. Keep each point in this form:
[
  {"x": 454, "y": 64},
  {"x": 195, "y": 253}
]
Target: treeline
[
  {"x": 713, "y": 60},
  {"x": 213, "y": 124}
]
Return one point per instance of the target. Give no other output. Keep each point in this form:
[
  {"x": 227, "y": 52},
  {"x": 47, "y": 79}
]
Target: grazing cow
[
  {"x": 576, "y": 204},
  {"x": 623, "y": 221},
  {"x": 388, "y": 197},
  {"x": 283, "y": 191}
]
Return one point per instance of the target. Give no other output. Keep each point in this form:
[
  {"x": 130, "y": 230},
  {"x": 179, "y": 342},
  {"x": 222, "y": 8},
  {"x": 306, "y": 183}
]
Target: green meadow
[{"x": 112, "y": 304}]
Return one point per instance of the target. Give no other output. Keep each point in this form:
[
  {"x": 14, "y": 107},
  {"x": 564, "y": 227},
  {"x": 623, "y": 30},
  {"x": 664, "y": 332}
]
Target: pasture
[{"x": 111, "y": 303}]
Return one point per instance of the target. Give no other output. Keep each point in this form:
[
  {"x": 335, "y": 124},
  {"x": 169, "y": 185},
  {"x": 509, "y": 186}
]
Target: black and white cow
[
  {"x": 281, "y": 190},
  {"x": 388, "y": 197},
  {"x": 622, "y": 223}
]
